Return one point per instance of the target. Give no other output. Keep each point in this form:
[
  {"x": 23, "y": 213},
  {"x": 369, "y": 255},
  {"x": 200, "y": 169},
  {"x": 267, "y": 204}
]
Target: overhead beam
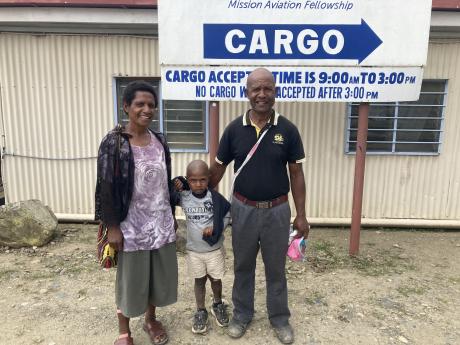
[{"x": 82, "y": 3}]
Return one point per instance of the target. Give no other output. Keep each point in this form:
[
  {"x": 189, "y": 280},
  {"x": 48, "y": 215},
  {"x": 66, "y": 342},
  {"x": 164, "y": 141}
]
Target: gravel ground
[{"x": 403, "y": 288}]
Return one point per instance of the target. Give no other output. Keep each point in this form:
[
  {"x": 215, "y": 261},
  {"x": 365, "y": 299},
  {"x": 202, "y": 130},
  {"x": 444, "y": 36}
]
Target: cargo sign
[
  {"x": 293, "y": 83},
  {"x": 287, "y": 42},
  {"x": 363, "y": 50}
]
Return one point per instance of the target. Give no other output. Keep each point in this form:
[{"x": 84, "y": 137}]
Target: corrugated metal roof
[
  {"x": 83, "y": 3},
  {"x": 437, "y": 4},
  {"x": 446, "y": 5}
]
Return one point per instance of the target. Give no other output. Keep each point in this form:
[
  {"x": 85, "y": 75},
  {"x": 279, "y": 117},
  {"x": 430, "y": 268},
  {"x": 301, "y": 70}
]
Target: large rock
[{"x": 26, "y": 223}]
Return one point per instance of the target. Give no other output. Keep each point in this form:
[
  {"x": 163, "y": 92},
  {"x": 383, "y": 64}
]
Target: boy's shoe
[
  {"x": 220, "y": 313},
  {"x": 200, "y": 322}
]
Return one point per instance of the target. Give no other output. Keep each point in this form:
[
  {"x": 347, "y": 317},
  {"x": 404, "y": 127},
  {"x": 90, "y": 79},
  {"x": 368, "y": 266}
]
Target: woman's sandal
[
  {"x": 124, "y": 339},
  {"x": 156, "y": 332}
]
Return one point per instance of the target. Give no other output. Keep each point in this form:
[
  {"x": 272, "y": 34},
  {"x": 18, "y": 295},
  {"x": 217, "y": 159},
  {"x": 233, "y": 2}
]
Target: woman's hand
[{"x": 115, "y": 237}]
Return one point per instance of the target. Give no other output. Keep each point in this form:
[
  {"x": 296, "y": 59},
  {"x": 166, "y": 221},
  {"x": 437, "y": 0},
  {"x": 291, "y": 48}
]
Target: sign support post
[
  {"x": 213, "y": 130},
  {"x": 358, "y": 186}
]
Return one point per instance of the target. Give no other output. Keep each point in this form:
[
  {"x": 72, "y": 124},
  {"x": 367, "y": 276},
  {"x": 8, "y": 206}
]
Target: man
[{"x": 260, "y": 211}]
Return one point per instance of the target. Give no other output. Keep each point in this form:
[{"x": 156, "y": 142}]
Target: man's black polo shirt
[{"x": 265, "y": 176}]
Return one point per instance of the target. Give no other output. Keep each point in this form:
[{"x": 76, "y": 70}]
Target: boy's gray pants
[{"x": 267, "y": 229}]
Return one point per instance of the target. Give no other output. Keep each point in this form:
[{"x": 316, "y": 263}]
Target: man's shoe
[
  {"x": 236, "y": 329},
  {"x": 285, "y": 334},
  {"x": 200, "y": 322},
  {"x": 220, "y": 313}
]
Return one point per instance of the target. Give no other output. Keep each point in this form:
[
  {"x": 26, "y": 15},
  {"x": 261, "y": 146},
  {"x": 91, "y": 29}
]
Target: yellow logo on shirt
[{"x": 278, "y": 139}]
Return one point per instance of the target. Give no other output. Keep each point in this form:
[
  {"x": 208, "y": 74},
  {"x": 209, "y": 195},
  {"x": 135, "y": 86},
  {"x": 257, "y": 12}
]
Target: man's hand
[
  {"x": 178, "y": 185},
  {"x": 115, "y": 237},
  {"x": 301, "y": 225},
  {"x": 298, "y": 193},
  {"x": 207, "y": 231},
  {"x": 216, "y": 171}
]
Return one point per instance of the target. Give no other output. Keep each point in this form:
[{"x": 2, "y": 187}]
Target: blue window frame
[
  {"x": 185, "y": 123},
  {"x": 405, "y": 128}
]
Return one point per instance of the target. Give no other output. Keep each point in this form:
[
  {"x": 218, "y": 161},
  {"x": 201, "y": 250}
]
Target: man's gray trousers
[{"x": 267, "y": 229}]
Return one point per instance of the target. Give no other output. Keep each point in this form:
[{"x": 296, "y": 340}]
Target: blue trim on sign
[{"x": 359, "y": 41}]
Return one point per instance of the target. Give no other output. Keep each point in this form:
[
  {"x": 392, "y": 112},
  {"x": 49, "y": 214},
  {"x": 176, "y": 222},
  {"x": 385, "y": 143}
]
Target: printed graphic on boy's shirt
[
  {"x": 199, "y": 214},
  {"x": 208, "y": 206}
]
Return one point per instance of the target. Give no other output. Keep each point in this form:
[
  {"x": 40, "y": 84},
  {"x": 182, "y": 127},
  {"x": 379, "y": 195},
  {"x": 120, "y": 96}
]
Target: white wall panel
[
  {"x": 422, "y": 187},
  {"x": 57, "y": 103}
]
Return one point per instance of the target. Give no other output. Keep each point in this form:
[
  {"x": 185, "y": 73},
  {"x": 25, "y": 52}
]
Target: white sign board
[{"x": 319, "y": 50}]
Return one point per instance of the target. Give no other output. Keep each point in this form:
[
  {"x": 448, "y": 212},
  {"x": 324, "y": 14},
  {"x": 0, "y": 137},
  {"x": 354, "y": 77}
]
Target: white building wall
[
  {"x": 396, "y": 187},
  {"x": 57, "y": 103}
]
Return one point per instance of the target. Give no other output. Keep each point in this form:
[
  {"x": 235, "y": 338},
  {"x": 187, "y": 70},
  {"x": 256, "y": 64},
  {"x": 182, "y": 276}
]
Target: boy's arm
[
  {"x": 178, "y": 185},
  {"x": 181, "y": 189}
]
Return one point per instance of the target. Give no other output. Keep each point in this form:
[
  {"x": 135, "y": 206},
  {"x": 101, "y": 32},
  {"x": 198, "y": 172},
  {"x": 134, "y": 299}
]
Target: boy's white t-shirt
[{"x": 199, "y": 215}]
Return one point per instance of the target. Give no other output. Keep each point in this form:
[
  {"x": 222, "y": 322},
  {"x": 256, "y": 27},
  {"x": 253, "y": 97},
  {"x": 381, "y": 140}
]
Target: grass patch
[
  {"x": 6, "y": 274},
  {"x": 41, "y": 275},
  {"x": 82, "y": 267},
  {"x": 389, "y": 304},
  {"x": 454, "y": 280},
  {"x": 324, "y": 256},
  {"x": 78, "y": 233},
  {"x": 316, "y": 299},
  {"x": 380, "y": 263},
  {"x": 443, "y": 300},
  {"x": 325, "y": 247},
  {"x": 406, "y": 290},
  {"x": 378, "y": 315}
]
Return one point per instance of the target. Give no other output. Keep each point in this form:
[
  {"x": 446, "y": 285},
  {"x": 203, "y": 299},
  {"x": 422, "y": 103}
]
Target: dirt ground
[{"x": 404, "y": 288}]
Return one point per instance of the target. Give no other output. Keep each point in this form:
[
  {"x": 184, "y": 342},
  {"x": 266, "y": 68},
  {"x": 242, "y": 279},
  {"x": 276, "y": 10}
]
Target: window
[
  {"x": 409, "y": 128},
  {"x": 183, "y": 122}
]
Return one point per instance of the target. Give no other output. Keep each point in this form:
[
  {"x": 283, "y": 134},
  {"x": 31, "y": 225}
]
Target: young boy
[{"x": 207, "y": 214}]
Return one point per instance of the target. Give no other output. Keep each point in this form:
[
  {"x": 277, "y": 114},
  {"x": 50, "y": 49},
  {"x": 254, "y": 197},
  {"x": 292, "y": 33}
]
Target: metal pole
[
  {"x": 360, "y": 162},
  {"x": 213, "y": 130}
]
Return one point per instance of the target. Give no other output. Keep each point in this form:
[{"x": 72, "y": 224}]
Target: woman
[{"x": 133, "y": 199}]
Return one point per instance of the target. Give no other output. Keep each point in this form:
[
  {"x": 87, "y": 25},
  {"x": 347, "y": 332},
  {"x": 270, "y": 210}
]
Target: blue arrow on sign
[{"x": 289, "y": 41}]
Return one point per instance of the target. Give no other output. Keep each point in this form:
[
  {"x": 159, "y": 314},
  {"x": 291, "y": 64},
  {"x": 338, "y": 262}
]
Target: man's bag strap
[{"x": 248, "y": 157}]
